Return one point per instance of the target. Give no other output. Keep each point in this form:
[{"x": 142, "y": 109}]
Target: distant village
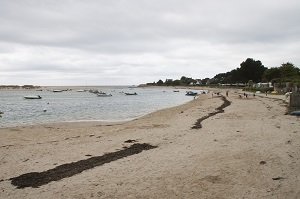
[{"x": 19, "y": 87}]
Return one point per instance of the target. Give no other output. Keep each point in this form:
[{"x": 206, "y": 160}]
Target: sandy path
[{"x": 251, "y": 150}]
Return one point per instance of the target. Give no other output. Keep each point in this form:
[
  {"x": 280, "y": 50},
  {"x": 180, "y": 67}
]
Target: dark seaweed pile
[
  {"x": 220, "y": 109},
  {"x": 36, "y": 179}
]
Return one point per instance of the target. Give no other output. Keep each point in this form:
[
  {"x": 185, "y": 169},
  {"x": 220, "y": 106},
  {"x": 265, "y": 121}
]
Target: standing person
[
  {"x": 266, "y": 93},
  {"x": 226, "y": 93}
]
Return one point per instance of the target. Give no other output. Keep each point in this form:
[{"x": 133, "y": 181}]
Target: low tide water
[{"x": 84, "y": 106}]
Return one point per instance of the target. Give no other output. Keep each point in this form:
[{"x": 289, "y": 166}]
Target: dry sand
[{"x": 251, "y": 150}]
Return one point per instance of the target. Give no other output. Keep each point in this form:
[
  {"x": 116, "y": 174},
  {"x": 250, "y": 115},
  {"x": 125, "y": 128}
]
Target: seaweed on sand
[
  {"x": 36, "y": 179},
  {"x": 220, "y": 109}
]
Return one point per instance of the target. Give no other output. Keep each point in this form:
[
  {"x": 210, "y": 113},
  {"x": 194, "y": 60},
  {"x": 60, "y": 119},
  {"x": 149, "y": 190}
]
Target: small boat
[
  {"x": 191, "y": 93},
  {"x": 80, "y": 91},
  {"x": 176, "y": 91},
  {"x": 57, "y": 91},
  {"x": 96, "y": 91},
  {"x": 33, "y": 97},
  {"x": 93, "y": 91},
  {"x": 104, "y": 95},
  {"x": 131, "y": 93}
]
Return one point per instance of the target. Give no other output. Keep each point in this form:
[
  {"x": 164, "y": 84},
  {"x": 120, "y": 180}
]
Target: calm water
[{"x": 84, "y": 106}]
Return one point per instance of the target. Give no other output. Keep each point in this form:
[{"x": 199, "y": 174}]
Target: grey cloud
[
  {"x": 116, "y": 24},
  {"x": 153, "y": 39}
]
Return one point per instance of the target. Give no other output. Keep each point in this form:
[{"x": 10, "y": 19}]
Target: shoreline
[{"x": 240, "y": 152}]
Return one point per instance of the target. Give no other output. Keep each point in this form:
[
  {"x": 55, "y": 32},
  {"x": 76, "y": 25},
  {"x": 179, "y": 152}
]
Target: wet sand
[{"x": 209, "y": 148}]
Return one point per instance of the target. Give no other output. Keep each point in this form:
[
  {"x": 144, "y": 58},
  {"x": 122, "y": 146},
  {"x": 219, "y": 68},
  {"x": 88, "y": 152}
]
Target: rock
[{"x": 262, "y": 162}]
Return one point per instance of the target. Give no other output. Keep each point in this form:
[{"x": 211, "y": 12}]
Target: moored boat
[
  {"x": 95, "y": 91},
  {"x": 131, "y": 93},
  {"x": 33, "y": 97},
  {"x": 57, "y": 91},
  {"x": 191, "y": 93},
  {"x": 104, "y": 95}
]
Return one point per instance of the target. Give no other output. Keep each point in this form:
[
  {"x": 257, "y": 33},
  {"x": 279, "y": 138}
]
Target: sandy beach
[{"x": 211, "y": 147}]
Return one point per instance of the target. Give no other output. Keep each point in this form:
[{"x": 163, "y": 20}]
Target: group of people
[{"x": 245, "y": 95}]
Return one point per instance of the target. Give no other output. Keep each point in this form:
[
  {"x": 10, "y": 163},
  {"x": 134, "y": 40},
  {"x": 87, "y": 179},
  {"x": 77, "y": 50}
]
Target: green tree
[
  {"x": 160, "y": 82},
  {"x": 187, "y": 80},
  {"x": 271, "y": 74},
  {"x": 176, "y": 82},
  {"x": 251, "y": 70},
  {"x": 288, "y": 70},
  {"x": 168, "y": 82}
]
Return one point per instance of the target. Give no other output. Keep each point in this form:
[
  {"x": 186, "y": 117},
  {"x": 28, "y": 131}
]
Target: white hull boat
[
  {"x": 33, "y": 97},
  {"x": 57, "y": 91},
  {"x": 104, "y": 95}
]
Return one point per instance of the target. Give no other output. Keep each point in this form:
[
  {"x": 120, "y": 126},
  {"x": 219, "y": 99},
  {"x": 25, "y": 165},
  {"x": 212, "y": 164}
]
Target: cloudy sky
[{"x": 125, "y": 42}]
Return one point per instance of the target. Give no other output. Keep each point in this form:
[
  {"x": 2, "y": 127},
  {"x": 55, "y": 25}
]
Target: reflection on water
[{"x": 84, "y": 106}]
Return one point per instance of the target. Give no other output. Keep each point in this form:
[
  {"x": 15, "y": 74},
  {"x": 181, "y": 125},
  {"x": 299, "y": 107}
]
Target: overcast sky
[{"x": 126, "y": 42}]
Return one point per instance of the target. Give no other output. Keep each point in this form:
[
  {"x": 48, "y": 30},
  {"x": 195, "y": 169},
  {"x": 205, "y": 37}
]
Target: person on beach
[{"x": 227, "y": 93}]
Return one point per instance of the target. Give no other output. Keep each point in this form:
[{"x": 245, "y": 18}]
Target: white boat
[
  {"x": 57, "y": 91},
  {"x": 104, "y": 95},
  {"x": 80, "y": 91},
  {"x": 33, "y": 97}
]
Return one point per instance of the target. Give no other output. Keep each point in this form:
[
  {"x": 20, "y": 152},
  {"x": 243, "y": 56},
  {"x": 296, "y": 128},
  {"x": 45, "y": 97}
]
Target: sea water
[{"x": 84, "y": 106}]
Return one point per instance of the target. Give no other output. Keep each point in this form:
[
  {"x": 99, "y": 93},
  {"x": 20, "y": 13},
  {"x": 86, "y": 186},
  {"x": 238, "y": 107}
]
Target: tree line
[{"x": 249, "y": 70}]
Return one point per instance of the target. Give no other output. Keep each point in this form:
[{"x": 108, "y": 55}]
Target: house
[{"x": 262, "y": 85}]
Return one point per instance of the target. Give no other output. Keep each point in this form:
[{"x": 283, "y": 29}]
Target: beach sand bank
[{"x": 251, "y": 150}]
